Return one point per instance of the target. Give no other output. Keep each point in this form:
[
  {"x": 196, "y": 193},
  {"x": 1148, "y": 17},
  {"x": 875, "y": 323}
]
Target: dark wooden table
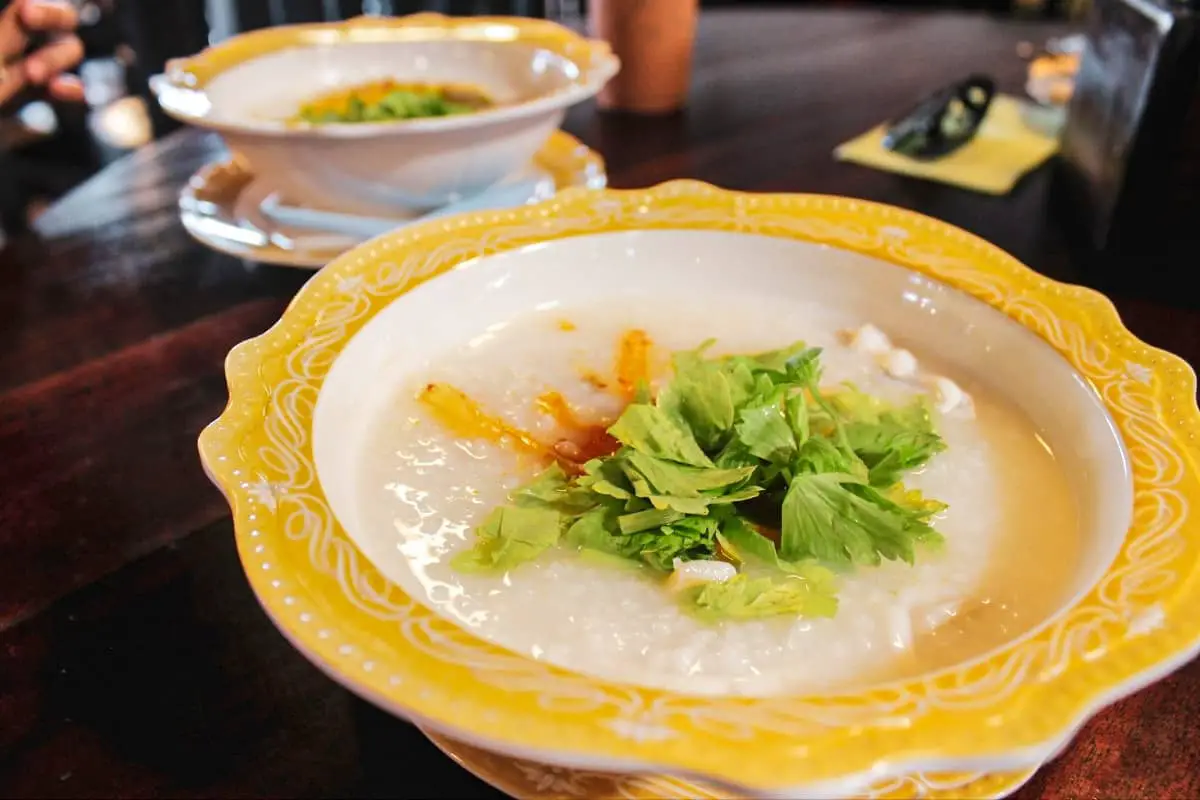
[{"x": 134, "y": 660}]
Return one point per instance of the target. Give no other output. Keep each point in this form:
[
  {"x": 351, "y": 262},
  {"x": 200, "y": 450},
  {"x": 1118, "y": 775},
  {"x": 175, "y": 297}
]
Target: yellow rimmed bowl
[
  {"x": 1121, "y": 415},
  {"x": 249, "y": 88}
]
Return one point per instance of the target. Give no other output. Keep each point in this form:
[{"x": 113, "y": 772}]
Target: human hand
[{"x": 44, "y": 67}]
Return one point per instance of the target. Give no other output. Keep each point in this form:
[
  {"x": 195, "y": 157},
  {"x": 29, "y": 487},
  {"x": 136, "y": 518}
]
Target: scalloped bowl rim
[{"x": 175, "y": 95}]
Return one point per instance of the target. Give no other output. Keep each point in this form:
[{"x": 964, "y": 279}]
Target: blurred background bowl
[{"x": 249, "y": 87}]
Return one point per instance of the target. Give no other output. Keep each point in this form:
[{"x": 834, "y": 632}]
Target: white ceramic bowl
[{"x": 248, "y": 87}]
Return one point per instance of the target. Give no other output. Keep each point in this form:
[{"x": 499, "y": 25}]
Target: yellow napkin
[{"x": 1003, "y": 150}]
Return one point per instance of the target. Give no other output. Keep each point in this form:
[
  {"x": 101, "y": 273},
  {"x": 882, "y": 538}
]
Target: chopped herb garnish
[
  {"x": 743, "y": 459},
  {"x": 385, "y": 101}
]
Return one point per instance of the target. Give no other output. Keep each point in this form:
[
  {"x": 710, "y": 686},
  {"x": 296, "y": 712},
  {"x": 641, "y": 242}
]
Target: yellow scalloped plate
[
  {"x": 530, "y": 780},
  {"x": 1012, "y": 708}
]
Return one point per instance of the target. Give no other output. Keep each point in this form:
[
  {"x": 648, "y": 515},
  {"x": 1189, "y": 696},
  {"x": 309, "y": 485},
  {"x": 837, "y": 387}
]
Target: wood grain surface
[{"x": 134, "y": 660}]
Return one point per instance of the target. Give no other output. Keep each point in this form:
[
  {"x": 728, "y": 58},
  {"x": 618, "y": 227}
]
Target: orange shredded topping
[
  {"x": 633, "y": 362},
  {"x": 582, "y": 440},
  {"x": 464, "y": 417},
  {"x": 594, "y": 380},
  {"x": 555, "y": 406}
]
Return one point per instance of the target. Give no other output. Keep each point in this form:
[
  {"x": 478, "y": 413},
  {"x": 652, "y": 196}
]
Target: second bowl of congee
[{"x": 406, "y": 112}]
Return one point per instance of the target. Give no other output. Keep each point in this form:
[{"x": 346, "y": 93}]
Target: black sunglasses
[{"x": 944, "y": 122}]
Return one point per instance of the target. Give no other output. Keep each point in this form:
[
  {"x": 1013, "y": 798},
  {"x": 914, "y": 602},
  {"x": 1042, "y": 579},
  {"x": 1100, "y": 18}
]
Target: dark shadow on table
[
  {"x": 397, "y": 761},
  {"x": 167, "y": 680}
]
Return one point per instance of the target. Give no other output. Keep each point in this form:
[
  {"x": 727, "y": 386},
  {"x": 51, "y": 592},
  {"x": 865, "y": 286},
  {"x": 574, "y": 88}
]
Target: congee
[{"x": 720, "y": 498}]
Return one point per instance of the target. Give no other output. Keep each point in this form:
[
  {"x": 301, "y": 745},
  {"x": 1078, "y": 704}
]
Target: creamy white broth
[{"x": 1007, "y": 497}]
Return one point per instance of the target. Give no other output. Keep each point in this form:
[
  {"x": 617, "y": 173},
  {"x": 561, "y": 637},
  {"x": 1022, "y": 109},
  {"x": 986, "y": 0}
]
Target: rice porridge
[{"x": 1006, "y": 497}]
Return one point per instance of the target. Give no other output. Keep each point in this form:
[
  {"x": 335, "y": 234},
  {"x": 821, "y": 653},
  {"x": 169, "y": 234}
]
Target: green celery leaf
[
  {"x": 636, "y": 504},
  {"x": 553, "y": 489},
  {"x": 804, "y": 368},
  {"x": 768, "y": 390},
  {"x": 609, "y": 489},
  {"x": 699, "y": 394},
  {"x": 667, "y": 477},
  {"x": 684, "y": 505},
  {"x": 652, "y": 431},
  {"x": 890, "y": 441},
  {"x": 510, "y": 536},
  {"x": 766, "y": 433},
  {"x": 545, "y": 489},
  {"x": 641, "y": 485},
  {"x": 736, "y": 455},
  {"x": 735, "y": 495},
  {"x": 777, "y": 361},
  {"x": 596, "y": 530},
  {"x": 917, "y": 530},
  {"x": 604, "y": 476},
  {"x": 742, "y": 541},
  {"x": 836, "y": 519},
  {"x": 650, "y": 518},
  {"x": 898, "y": 441},
  {"x": 744, "y": 597},
  {"x": 699, "y": 505},
  {"x": 817, "y": 522},
  {"x": 853, "y": 405},
  {"x": 740, "y": 378},
  {"x": 796, "y": 411},
  {"x": 686, "y": 538},
  {"x": 820, "y": 455}
]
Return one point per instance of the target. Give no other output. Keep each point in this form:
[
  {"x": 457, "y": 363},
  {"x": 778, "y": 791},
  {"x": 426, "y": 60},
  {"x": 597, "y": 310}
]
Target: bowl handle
[
  {"x": 176, "y": 92},
  {"x": 603, "y": 64}
]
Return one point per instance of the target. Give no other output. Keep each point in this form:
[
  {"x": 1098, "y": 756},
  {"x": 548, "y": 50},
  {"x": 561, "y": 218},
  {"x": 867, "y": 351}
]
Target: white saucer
[
  {"x": 226, "y": 207},
  {"x": 531, "y": 185}
]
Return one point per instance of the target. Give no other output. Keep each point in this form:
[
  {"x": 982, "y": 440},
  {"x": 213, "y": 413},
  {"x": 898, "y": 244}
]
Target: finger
[
  {"x": 66, "y": 87},
  {"x": 12, "y": 81},
  {"x": 12, "y": 34},
  {"x": 48, "y": 15},
  {"x": 59, "y": 55}
]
